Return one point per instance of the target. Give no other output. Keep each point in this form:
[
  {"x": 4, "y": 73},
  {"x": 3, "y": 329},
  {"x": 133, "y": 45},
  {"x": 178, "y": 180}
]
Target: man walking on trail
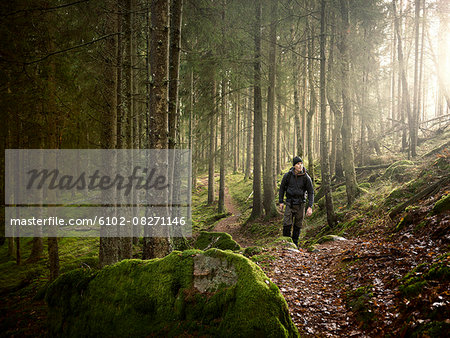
[{"x": 295, "y": 183}]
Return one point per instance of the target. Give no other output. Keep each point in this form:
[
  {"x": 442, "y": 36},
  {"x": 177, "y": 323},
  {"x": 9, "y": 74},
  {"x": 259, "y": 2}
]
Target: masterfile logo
[{"x": 91, "y": 193}]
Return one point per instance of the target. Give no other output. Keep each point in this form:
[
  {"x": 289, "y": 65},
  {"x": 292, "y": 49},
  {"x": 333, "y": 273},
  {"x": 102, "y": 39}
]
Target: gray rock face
[{"x": 210, "y": 273}]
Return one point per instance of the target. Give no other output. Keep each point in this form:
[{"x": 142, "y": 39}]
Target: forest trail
[
  {"x": 231, "y": 224},
  {"x": 309, "y": 283},
  {"x": 316, "y": 285}
]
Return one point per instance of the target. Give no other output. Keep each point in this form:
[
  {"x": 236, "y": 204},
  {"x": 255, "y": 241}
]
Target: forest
[{"x": 356, "y": 92}]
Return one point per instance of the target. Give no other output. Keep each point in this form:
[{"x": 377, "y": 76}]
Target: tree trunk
[
  {"x": 312, "y": 102},
  {"x": 108, "y": 251},
  {"x": 249, "y": 136},
  {"x": 278, "y": 141},
  {"x": 193, "y": 182},
  {"x": 174, "y": 66},
  {"x": 303, "y": 105},
  {"x": 298, "y": 127},
  {"x": 324, "y": 160},
  {"x": 405, "y": 91},
  {"x": 347, "y": 147},
  {"x": 415, "y": 114},
  {"x": 126, "y": 240},
  {"x": 212, "y": 137},
  {"x": 257, "y": 209},
  {"x": 159, "y": 48},
  {"x": 269, "y": 189},
  {"x": 223, "y": 131}
]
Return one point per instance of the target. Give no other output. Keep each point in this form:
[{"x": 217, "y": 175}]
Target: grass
[{"x": 73, "y": 253}]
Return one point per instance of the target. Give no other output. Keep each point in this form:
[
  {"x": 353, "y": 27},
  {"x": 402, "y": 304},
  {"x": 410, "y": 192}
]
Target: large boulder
[{"x": 212, "y": 293}]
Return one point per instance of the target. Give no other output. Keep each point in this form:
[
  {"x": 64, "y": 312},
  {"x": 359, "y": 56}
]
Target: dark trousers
[{"x": 293, "y": 217}]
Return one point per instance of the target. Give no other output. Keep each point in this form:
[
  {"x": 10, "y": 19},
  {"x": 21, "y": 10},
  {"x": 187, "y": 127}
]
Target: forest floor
[
  {"x": 377, "y": 283},
  {"x": 383, "y": 276}
]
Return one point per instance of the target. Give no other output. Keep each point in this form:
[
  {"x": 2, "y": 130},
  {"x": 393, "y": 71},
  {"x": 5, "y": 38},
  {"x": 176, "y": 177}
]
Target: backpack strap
[{"x": 288, "y": 177}]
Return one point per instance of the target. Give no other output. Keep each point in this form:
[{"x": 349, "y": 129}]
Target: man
[{"x": 295, "y": 183}]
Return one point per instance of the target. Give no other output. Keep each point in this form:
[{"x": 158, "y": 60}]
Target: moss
[
  {"x": 431, "y": 329},
  {"x": 329, "y": 238},
  {"x": 253, "y": 250},
  {"x": 324, "y": 239},
  {"x": 404, "y": 221},
  {"x": 411, "y": 290},
  {"x": 413, "y": 283},
  {"x": 219, "y": 240},
  {"x": 398, "y": 168},
  {"x": 420, "y": 226},
  {"x": 359, "y": 301},
  {"x": 442, "y": 205},
  {"x": 159, "y": 298},
  {"x": 284, "y": 242},
  {"x": 264, "y": 259},
  {"x": 364, "y": 185}
]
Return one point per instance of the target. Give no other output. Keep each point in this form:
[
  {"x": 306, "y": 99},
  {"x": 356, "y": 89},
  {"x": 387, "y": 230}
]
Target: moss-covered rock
[
  {"x": 219, "y": 240},
  {"x": 399, "y": 170},
  {"x": 442, "y": 205},
  {"x": 329, "y": 238},
  {"x": 284, "y": 242},
  {"x": 190, "y": 293}
]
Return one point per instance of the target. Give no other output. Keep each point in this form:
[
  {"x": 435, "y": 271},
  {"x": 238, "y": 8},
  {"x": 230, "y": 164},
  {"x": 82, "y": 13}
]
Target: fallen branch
[
  {"x": 437, "y": 150},
  {"x": 373, "y": 167}
]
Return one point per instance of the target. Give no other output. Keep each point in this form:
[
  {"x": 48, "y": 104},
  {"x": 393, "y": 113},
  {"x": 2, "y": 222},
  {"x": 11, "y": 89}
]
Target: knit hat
[{"x": 296, "y": 160}]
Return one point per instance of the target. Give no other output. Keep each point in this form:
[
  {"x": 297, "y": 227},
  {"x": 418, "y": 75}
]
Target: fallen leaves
[{"x": 314, "y": 284}]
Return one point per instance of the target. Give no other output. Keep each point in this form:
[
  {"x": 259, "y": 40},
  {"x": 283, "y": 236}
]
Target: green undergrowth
[
  {"x": 159, "y": 297},
  {"x": 204, "y": 216},
  {"x": 380, "y": 192},
  {"x": 361, "y": 304},
  {"x": 439, "y": 167},
  {"x": 30, "y": 278},
  {"x": 443, "y": 205},
  {"x": 399, "y": 171},
  {"x": 240, "y": 191},
  {"x": 414, "y": 282},
  {"x": 426, "y": 288},
  {"x": 264, "y": 259},
  {"x": 264, "y": 232},
  {"x": 253, "y": 250}
]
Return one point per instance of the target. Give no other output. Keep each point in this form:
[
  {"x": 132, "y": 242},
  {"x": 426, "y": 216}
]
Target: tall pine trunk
[
  {"x": 212, "y": 135},
  {"x": 108, "y": 251},
  {"x": 347, "y": 146},
  {"x": 269, "y": 189},
  {"x": 249, "y": 129},
  {"x": 415, "y": 113},
  {"x": 257, "y": 209},
  {"x": 159, "y": 56},
  {"x": 324, "y": 160},
  {"x": 312, "y": 102}
]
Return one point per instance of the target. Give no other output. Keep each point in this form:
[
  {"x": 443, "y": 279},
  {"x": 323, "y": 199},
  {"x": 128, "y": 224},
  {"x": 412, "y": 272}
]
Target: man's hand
[
  {"x": 308, "y": 212},
  {"x": 281, "y": 207}
]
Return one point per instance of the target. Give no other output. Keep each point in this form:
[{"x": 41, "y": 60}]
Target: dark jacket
[{"x": 296, "y": 187}]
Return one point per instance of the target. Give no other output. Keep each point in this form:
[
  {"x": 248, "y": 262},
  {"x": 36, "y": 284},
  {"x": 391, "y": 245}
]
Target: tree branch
[
  {"x": 44, "y": 9},
  {"x": 69, "y": 49}
]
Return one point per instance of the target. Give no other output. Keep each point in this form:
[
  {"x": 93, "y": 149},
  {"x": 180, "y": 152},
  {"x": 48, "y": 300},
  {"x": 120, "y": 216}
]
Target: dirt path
[
  {"x": 315, "y": 285},
  {"x": 231, "y": 224},
  {"x": 309, "y": 284}
]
